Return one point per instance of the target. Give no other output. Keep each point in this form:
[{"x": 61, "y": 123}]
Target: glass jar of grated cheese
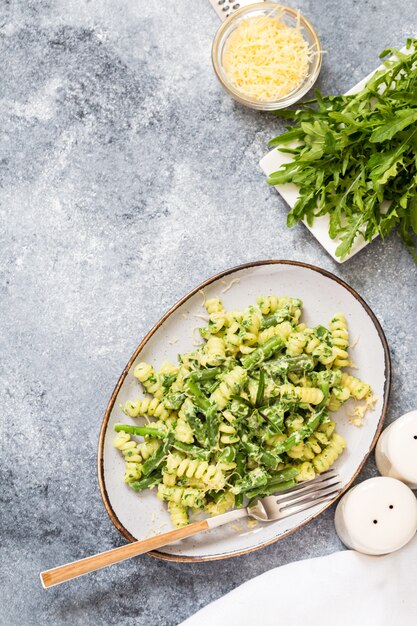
[{"x": 266, "y": 56}]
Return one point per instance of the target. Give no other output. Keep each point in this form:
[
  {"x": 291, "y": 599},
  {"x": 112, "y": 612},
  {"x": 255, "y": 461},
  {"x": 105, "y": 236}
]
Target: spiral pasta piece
[
  {"x": 341, "y": 393},
  {"x": 293, "y": 305},
  {"x": 295, "y": 343},
  {"x": 358, "y": 389},
  {"x": 305, "y": 471},
  {"x": 331, "y": 452},
  {"x": 213, "y": 305},
  {"x": 146, "y": 374},
  {"x": 283, "y": 330},
  {"x": 306, "y": 395},
  {"x": 169, "y": 478},
  {"x": 126, "y": 445},
  {"x": 211, "y": 475},
  {"x": 225, "y": 502},
  {"x": 168, "y": 368},
  {"x": 131, "y": 452},
  {"x": 217, "y": 322},
  {"x": 178, "y": 514},
  {"x": 327, "y": 428},
  {"x": 228, "y": 434},
  {"x": 267, "y": 304},
  {"x": 333, "y": 404},
  {"x": 185, "y": 496},
  {"x": 233, "y": 316},
  {"x": 312, "y": 342},
  {"x": 148, "y": 448},
  {"x": 307, "y": 450},
  {"x": 183, "y": 431},
  {"x": 231, "y": 384},
  {"x": 214, "y": 351},
  {"x": 324, "y": 353},
  {"x": 178, "y": 384},
  {"x": 340, "y": 338},
  {"x": 147, "y": 406},
  {"x": 251, "y": 321}
]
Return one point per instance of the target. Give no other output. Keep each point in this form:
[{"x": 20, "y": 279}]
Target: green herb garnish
[{"x": 356, "y": 151}]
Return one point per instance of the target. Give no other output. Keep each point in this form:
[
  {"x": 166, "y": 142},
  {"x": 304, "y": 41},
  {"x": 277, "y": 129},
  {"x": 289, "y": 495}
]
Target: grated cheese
[
  {"x": 265, "y": 59},
  {"x": 356, "y": 418},
  {"x": 230, "y": 285}
]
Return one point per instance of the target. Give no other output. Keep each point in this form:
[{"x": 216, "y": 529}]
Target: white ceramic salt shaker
[
  {"x": 377, "y": 516},
  {"x": 396, "y": 450}
]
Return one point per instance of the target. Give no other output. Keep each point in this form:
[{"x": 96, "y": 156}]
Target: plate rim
[{"x": 103, "y": 429}]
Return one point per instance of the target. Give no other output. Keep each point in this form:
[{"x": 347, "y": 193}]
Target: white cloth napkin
[{"x": 342, "y": 589}]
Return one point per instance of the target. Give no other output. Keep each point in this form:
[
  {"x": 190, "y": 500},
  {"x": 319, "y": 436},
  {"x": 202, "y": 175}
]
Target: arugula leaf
[
  {"x": 290, "y": 135},
  {"x": 386, "y": 131},
  {"x": 347, "y": 239}
]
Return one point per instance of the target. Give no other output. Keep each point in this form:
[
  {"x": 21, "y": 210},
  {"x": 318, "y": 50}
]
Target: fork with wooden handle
[{"x": 300, "y": 498}]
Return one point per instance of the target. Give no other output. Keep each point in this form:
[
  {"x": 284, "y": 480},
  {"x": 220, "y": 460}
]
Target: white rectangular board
[{"x": 320, "y": 229}]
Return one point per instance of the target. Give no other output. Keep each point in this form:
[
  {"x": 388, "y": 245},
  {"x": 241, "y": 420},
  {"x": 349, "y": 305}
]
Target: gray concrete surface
[{"x": 128, "y": 176}]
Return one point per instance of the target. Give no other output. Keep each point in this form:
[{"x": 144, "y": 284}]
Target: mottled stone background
[{"x": 127, "y": 177}]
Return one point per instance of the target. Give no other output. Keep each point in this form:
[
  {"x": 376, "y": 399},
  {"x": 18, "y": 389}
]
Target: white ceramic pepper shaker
[
  {"x": 396, "y": 450},
  {"x": 377, "y": 516}
]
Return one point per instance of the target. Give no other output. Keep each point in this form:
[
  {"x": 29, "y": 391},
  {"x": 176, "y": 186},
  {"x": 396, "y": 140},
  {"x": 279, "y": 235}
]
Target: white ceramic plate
[
  {"x": 320, "y": 228},
  {"x": 138, "y": 516}
]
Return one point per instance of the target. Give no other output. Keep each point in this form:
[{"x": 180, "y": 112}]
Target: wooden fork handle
[{"x": 63, "y": 573}]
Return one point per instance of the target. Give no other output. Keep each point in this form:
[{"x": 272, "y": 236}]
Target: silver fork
[{"x": 300, "y": 498}]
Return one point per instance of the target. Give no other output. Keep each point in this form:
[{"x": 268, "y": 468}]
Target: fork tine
[
  {"x": 311, "y": 495},
  {"x": 306, "y": 487},
  {"x": 308, "y": 493},
  {"x": 308, "y": 505}
]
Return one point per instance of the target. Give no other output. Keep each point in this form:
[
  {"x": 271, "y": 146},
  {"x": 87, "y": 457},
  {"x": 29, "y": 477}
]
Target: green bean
[
  {"x": 200, "y": 430},
  {"x": 275, "y": 318},
  {"x": 146, "y": 483},
  {"x": 142, "y": 431},
  {"x": 275, "y": 481},
  {"x": 263, "y": 352},
  {"x": 212, "y": 426},
  {"x": 197, "y": 396},
  {"x": 239, "y": 500},
  {"x": 203, "y": 375},
  {"x": 269, "y": 459},
  {"x": 261, "y": 388},
  {"x": 285, "y": 474},
  {"x": 193, "y": 451},
  {"x": 275, "y": 416},
  {"x": 156, "y": 459},
  {"x": 252, "y": 449},
  {"x": 270, "y": 489},
  {"x": 284, "y": 365}
]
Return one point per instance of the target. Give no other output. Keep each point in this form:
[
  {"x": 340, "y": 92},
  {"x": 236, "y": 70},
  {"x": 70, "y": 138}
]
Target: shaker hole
[
  {"x": 236, "y": 6},
  {"x": 415, "y": 436},
  {"x": 375, "y": 521},
  {"x": 221, "y": 1},
  {"x": 391, "y": 506}
]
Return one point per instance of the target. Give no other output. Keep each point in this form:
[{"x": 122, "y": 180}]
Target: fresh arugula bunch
[{"x": 352, "y": 152}]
